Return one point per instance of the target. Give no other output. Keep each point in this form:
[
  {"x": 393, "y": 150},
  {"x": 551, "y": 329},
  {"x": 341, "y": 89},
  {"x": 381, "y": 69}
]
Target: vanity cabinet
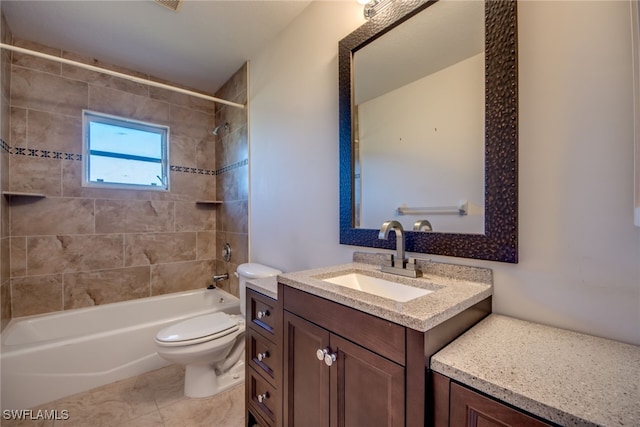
[
  {"x": 313, "y": 362},
  {"x": 263, "y": 380},
  {"x": 456, "y": 405},
  {"x": 344, "y": 367},
  {"x": 331, "y": 381}
]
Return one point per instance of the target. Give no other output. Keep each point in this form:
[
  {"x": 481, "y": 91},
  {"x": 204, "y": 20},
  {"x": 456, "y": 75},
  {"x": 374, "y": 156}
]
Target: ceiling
[{"x": 200, "y": 46}]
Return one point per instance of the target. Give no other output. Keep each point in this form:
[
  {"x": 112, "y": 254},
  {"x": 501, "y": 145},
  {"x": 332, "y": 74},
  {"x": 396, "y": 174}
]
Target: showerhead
[{"x": 225, "y": 126}]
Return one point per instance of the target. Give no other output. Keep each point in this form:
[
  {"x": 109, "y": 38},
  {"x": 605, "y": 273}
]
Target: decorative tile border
[{"x": 32, "y": 152}]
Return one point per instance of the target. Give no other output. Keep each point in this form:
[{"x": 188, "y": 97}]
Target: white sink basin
[{"x": 377, "y": 286}]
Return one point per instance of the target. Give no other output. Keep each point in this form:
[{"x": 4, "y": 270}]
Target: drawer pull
[
  {"x": 262, "y": 397},
  {"x": 262, "y": 356},
  {"x": 262, "y": 314}
]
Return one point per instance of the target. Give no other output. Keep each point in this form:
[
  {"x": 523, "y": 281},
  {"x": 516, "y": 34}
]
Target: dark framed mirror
[{"x": 497, "y": 203}]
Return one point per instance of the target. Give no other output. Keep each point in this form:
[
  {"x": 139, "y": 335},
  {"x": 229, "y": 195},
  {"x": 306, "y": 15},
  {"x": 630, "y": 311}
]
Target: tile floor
[{"x": 154, "y": 399}]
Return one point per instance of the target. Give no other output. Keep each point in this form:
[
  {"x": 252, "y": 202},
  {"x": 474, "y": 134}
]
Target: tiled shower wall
[
  {"x": 5, "y": 76},
  {"x": 232, "y": 184},
  {"x": 79, "y": 246}
]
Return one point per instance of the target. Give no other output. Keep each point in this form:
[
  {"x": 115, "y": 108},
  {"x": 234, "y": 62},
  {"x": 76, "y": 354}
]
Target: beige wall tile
[
  {"x": 152, "y": 248},
  {"x": 86, "y": 289},
  {"x": 233, "y": 185},
  {"x": 181, "y": 99},
  {"x": 239, "y": 245},
  {"x": 51, "y": 216},
  {"x": 18, "y": 249},
  {"x": 18, "y": 132},
  {"x": 134, "y": 216},
  {"x": 206, "y": 154},
  {"x": 36, "y": 295},
  {"x": 123, "y": 104},
  {"x": 193, "y": 185},
  {"x": 182, "y": 151},
  {"x": 101, "y": 79},
  {"x": 5, "y": 255},
  {"x": 33, "y": 62},
  {"x": 191, "y": 123},
  {"x": 5, "y": 304},
  {"x": 232, "y": 148},
  {"x": 47, "y": 92},
  {"x": 180, "y": 276},
  {"x": 207, "y": 245},
  {"x": 234, "y": 217},
  {"x": 195, "y": 217},
  {"x": 36, "y": 175},
  {"x": 54, "y": 132},
  {"x": 64, "y": 254}
]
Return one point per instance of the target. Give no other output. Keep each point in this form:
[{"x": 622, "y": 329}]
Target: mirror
[{"x": 411, "y": 143}]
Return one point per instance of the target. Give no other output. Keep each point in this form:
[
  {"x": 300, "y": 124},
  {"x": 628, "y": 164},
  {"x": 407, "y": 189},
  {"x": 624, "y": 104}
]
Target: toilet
[{"x": 211, "y": 346}]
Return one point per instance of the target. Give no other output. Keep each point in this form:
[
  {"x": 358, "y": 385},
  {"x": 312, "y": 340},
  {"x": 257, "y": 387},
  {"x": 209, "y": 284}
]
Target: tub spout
[
  {"x": 216, "y": 279},
  {"x": 220, "y": 277}
]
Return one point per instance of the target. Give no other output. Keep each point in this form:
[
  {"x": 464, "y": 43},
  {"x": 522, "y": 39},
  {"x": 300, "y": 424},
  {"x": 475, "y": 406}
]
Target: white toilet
[{"x": 211, "y": 346}]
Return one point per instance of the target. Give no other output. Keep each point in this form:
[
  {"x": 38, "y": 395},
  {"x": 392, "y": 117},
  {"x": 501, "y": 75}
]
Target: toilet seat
[{"x": 198, "y": 329}]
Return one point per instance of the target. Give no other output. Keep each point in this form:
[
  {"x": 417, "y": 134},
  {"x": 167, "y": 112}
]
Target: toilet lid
[{"x": 218, "y": 323}]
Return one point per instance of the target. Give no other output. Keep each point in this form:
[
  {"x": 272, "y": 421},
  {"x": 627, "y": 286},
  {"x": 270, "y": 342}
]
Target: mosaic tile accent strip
[
  {"x": 4, "y": 146},
  {"x": 32, "y": 152}
]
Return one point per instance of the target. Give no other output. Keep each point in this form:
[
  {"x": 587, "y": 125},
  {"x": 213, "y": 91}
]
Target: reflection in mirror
[
  {"x": 410, "y": 140},
  {"x": 419, "y": 121}
]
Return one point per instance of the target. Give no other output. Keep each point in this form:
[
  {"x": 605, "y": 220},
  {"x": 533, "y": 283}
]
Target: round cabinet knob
[
  {"x": 262, "y": 314},
  {"x": 320, "y": 353},
  {"x": 329, "y": 358},
  {"x": 262, "y": 397},
  {"x": 262, "y": 356}
]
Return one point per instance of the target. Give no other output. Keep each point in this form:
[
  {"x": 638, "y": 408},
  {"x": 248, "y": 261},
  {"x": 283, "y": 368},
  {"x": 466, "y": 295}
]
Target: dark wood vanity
[
  {"x": 456, "y": 405},
  {"x": 315, "y": 362}
]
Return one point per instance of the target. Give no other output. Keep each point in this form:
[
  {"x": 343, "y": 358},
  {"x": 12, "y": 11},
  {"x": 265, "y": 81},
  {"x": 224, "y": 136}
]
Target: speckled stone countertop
[
  {"x": 267, "y": 286},
  {"x": 450, "y": 295},
  {"x": 562, "y": 376}
]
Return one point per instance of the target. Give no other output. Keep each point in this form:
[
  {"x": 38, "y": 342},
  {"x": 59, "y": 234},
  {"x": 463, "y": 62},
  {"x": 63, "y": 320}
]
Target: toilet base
[{"x": 202, "y": 380}]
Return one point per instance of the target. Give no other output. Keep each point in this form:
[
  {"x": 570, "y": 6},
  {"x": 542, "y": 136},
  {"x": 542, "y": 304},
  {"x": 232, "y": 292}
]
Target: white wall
[{"x": 579, "y": 251}]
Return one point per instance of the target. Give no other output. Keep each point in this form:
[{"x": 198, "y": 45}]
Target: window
[{"x": 124, "y": 153}]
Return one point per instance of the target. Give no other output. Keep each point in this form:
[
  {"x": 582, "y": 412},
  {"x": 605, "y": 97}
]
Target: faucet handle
[
  {"x": 387, "y": 259},
  {"x": 412, "y": 264}
]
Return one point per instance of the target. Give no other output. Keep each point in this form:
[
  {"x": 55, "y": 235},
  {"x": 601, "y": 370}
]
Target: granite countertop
[
  {"x": 267, "y": 286},
  {"x": 450, "y": 295},
  {"x": 562, "y": 376}
]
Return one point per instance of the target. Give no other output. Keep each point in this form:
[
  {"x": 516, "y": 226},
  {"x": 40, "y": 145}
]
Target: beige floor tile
[
  {"x": 153, "y": 419},
  {"x": 223, "y": 410},
  {"x": 166, "y": 385},
  {"x": 109, "y": 405}
]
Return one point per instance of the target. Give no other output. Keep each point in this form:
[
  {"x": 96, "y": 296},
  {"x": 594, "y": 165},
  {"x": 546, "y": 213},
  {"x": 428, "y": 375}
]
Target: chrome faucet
[
  {"x": 384, "y": 235},
  {"x": 399, "y": 265}
]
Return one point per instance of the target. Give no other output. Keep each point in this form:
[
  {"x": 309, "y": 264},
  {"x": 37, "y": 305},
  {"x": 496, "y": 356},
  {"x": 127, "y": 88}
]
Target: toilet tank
[{"x": 250, "y": 271}]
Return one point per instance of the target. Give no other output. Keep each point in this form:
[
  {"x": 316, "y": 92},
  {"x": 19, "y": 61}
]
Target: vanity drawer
[
  {"x": 263, "y": 398},
  {"x": 264, "y": 357},
  {"x": 264, "y": 313}
]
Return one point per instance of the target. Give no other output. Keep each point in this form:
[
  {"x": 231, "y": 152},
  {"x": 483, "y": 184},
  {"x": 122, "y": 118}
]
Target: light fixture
[{"x": 374, "y": 7}]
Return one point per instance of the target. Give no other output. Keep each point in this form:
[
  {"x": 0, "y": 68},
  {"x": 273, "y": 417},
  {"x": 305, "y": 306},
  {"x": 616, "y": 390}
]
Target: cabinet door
[
  {"x": 470, "y": 409},
  {"x": 366, "y": 389},
  {"x": 306, "y": 382}
]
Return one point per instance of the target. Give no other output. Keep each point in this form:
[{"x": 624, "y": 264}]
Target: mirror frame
[{"x": 500, "y": 239}]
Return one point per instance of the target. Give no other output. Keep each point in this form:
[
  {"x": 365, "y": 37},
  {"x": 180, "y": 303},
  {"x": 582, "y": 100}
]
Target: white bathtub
[{"x": 50, "y": 356}]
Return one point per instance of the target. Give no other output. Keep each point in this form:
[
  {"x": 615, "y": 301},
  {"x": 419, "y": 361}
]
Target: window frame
[{"x": 89, "y": 116}]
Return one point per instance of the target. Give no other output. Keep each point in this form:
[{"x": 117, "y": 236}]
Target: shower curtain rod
[{"x": 118, "y": 74}]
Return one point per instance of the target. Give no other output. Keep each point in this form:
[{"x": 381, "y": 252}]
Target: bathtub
[{"x": 47, "y": 357}]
